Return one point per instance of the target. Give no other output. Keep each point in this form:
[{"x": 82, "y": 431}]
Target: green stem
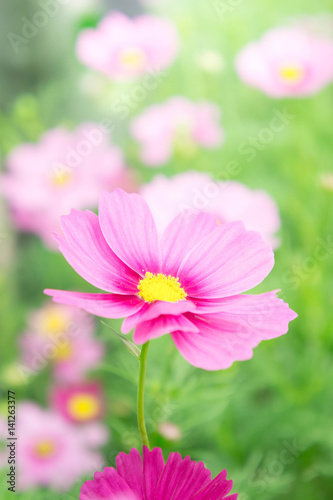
[{"x": 141, "y": 395}]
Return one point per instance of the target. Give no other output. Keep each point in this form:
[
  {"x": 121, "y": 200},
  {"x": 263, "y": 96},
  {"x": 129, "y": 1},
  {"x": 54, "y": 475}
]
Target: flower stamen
[
  {"x": 160, "y": 287},
  {"x": 291, "y": 73},
  {"x": 45, "y": 449},
  {"x": 83, "y": 407},
  {"x": 132, "y": 57}
]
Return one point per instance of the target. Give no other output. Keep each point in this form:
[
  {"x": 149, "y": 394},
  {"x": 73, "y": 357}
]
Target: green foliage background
[{"x": 268, "y": 420}]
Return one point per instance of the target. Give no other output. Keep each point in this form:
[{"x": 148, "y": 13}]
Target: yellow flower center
[
  {"x": 83, "y": 407},
  {"x": 62, "y": 179},
  {"x": 132, "y": 58},
  {"x": 62, "y": 175},
  {"x": 160, "y": 287},
  {"x": 63, "y": 352},
  {"x": 45, "y": 449},
  {"x": 54, "y": 322},
  {"x": 291, "y": 73}
]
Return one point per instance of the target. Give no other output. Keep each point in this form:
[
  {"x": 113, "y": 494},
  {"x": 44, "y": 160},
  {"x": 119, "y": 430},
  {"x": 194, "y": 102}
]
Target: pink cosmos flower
[
  {"x": 79, "y": 403},
  {"x": 149, "y": 478},
  {"x": 63, "y": 170},
  {"x": 187, "y": 283},
  {"x": 287, "y": 62},
  {"x": 53, "y": 452},
  {"x": 178, "y": 125},
  {"x": 228, "y": 201},
  {"x": 64, "y": 336},
  {"x": 125, "y": 48}
]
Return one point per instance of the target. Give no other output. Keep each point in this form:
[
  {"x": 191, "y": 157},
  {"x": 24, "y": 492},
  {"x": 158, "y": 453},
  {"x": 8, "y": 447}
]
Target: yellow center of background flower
[
  {"x": 160, "y": 287},
  {"x": 54, "y": 322},
  {"x": 63, "y": 352},
  {"x": 62, "y": 180},
  {"x": 83, "y": 407},
  {"x": 62, "y": 175},
  {"x": 45, "y": 449},
  {"x": 291, "y": 73},
  {"x": 133, "y": 58}
]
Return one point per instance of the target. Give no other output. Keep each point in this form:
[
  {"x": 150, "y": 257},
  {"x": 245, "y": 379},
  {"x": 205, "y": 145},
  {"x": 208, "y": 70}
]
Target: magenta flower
[
  {"x": 228, "y": 201},
  {"x": 287, "y": 62},
  {"x": 149, "y": 478},
  {"x": 186, "y": 284},
  {"x": 63, "y": 170},
  {"x": 125, "y": 48},
  {"x": 63, "y": 336},
  {"x": 53, "y": 452},
  {"x": 178, "y": 125},
  {"x": 79, "y": 403}
]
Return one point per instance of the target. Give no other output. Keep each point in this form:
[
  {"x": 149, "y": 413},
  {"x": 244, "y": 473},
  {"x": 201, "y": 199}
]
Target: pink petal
[
  {"x": 228, "y": 261},
  {"x": 191, "y": 478},
  {"x": 181, "y": 478},
  {"x": 131, "y": 321},
  {"x": 129, "y": 228},
  {"x": 101, "y": 304},
  {"x": 166, "y": 485},
  {"x": 181, "y": 235},
  {"x": 130, "y": 469},
  {"x": 230, "y": 336},
  {"x": 106, "y": 485},
  {"x": 157, "y": 327},
  {"x": 88, "y": 49},
  {"x": 217, "y": 489},
  {"x": 265, "y": 310},
  {"x": 89, "y": 254},
  {"x": 153, "y": 465},
  {"x": 152, "y": 311}
]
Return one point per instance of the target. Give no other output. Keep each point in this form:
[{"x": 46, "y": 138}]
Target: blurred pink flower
[
  {"x": 150, "y": 478},
  {"x": 170, "y": 431},
  {"x": 124, "y": 48},
  {"x": 63, "y": 170},
  {"x": 79, "y": 403},
  {"x": 64, "y": 336},
  {"x": 287, "y": 62},
  {"x": 228, "y": 201},
  {"x": 177, "y": 125},
  {"x": 186, "y": 284},
  {"x": 53, "y": 452}
]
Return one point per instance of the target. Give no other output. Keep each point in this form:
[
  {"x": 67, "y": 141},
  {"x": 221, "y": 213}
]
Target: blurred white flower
[
  {"x": 210, "y": 61},
  {"x": 326, "y": 181},
  {"x": 170, "y": 431},
  {"x": 75, "y": 7}
]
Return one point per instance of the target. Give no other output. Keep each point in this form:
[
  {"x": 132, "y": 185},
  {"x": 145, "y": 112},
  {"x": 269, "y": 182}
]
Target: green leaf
[{"x": 130, "y": 346}]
